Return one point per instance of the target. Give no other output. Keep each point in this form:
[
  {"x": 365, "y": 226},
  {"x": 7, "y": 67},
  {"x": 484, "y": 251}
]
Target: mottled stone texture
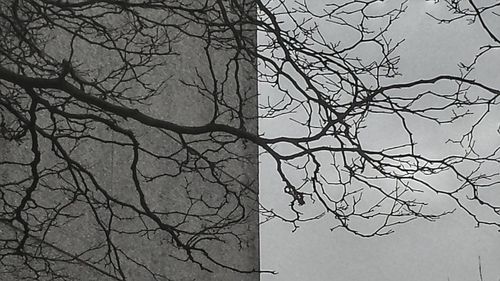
[{"x": 178, "y": 188}]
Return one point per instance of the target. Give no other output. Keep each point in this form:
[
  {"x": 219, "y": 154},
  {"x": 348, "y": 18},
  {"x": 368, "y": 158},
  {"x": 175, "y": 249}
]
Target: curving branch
[{"x": 132, "y": 126}]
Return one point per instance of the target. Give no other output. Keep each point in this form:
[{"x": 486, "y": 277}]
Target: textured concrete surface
[{"x": 111, "y": 164}]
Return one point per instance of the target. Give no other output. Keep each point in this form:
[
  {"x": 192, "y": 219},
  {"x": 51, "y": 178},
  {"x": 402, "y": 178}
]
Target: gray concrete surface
[{"x": 110, "y": 164}]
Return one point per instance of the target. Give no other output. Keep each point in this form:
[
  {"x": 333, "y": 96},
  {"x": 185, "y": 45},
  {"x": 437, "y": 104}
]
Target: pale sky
[{"x": 444, "y": 250}]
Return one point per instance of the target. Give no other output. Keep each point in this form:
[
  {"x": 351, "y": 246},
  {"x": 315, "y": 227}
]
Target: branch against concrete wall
[{"x": 129, "y": 131}]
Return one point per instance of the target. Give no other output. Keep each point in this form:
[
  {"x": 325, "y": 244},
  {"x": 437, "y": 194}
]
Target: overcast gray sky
[{"x": 444, "y": 250}]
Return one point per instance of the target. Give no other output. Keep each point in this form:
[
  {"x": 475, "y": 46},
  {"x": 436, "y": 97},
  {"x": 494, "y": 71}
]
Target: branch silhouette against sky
[{"x": 81, "y": 77}]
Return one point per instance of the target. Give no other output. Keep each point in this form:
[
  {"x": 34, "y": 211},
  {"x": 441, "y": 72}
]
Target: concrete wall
[{"x": 176, "y": 192}]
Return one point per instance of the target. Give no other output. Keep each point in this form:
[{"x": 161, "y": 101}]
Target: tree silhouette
[{"x": 80, "y": 77}]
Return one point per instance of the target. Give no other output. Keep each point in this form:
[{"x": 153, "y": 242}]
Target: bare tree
[
  {"x": 82, "y": 76},
  {"x": 104, "y": 173},
  {"x": 340, "y": 92}
]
